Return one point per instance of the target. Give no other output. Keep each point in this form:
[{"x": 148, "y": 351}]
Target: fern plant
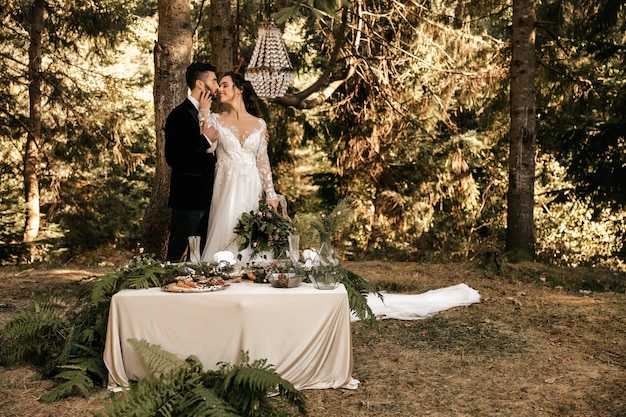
[
  {"x": 64, "y": 335},
  {"x": 181, "y": 387},
  {"x": 316, "y": 228},
  {"x": 38, "y": 333},
  {"x": 142, "y": 272},
  {"x": 357, "y": 289}
]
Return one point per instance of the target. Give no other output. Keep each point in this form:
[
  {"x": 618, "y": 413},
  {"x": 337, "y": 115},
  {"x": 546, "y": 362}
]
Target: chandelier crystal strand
[{"x": 269, "y": 71}]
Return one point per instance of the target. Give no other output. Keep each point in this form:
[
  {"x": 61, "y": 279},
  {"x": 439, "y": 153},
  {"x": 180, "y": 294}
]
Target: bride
[{"x": 243, "y": 173}]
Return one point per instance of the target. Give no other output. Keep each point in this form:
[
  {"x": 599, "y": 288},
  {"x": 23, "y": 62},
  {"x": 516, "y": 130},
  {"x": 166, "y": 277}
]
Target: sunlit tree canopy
[{"x": 402, "y": 106}]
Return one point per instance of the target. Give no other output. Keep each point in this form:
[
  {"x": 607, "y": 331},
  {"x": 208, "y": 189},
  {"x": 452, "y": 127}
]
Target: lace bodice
[{"x": 246, "y": 150}]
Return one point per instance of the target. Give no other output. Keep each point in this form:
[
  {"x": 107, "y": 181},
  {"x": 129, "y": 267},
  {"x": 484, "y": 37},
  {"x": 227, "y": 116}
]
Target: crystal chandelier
[{"x": 269, "y": 71}]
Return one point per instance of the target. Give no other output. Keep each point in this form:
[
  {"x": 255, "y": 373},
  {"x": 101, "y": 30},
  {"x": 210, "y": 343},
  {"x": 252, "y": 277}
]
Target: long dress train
[
  {"x": 420, "y": 306},
  {"x": 242, "y": 175}
]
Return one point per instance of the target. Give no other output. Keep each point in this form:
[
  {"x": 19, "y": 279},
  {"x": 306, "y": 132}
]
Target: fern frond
[
  {"x": 158, "y": 361},
  {"x": 33, "y": 334},
  {"x": 75, "y": 380},
  {"x": 149, "y": 398},
  {"x": 92, "y": 320},
  {"x": 104, "y": 287},
  {"x": 338, "y": 217},
  {"x": 320, "y": 227},
  {"x": 142, "y": 272},
  {"x": 188, "y": 391},
  {"x": 204, "y": 402},
  {"x": 357, "y": 289},
  {"x": 179, "y": 393},
  {"x": 247, "y": 386},
  {"x": 93, "y": 365},
  {"x": 57, "y": 333}
]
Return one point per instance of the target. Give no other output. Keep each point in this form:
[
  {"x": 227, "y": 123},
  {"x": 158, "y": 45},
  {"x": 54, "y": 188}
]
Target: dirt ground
[{"x": 527, "y": 349}]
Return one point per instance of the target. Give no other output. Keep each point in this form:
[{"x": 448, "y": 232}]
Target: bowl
[{"x": 285, "y": 279}]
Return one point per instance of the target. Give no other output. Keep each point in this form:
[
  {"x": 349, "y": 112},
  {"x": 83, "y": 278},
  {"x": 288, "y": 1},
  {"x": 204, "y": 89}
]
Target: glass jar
[{"x": 325, "y": 274}]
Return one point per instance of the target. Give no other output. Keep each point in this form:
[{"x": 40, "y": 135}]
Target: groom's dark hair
[{"x": 195, "y": 72}]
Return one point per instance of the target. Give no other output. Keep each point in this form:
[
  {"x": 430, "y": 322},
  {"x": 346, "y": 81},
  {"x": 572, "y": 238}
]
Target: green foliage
[
  {"x": 263, "y": 230},
  {"x": 75, "y": 379},
  {"x": 325, "y": 226},
  {"x": 418, "y": 135},
  {"x": 574, "y": 232},
  {"x": 183, "y": 388},
  {"x": 158, "y": 361},
  {"x": 247, "y": 386},
  {"x": 11, "y": 222},
  {"x": 95, "y": 149},
  {"x": 64, "y": 335},
  {"x": 141, "y": 272},
  {"x": 152, "y": 397},
  {"x": 357, "y": 289},
  {"x": 201, "y": 401},
  {"x": 37, "y": 333},
  {"x": 99, "y": 213},
  {"x": 582, "y": 98},
  {"x": 410, "y": 142}
]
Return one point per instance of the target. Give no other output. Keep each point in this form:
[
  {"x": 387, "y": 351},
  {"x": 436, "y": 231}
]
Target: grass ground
[{"x": 544, "y": 341}]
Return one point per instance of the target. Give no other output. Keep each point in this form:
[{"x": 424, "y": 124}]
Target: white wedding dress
[
  {"x": 420, "y": 306},
  {"x": 242, "y": 175}
]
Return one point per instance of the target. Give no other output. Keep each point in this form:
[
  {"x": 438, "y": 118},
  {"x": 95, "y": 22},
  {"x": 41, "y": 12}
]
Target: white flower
[
  {"x": 224, "y": 256},
  {"x": 308, "y": 255}
]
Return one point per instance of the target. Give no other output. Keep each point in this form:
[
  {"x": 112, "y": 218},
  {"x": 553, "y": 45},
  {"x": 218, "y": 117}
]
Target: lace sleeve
[
  {"x": 208, "y": 121},
  {"x": 205, "y": 116},
  {"x": 263, "y": 165}
]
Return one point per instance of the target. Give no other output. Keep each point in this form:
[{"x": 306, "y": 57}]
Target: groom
[{"x": 190, "y": 154}]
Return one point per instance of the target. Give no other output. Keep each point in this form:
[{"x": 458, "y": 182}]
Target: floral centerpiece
[{"x": 263, "y": 230}]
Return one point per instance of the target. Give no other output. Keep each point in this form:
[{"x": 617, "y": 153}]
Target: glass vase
[
  {"x": 325, "y": 274},
  {"x": 294, "y": 248}
]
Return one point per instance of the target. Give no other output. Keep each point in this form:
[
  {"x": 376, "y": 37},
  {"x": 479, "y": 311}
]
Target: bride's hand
[
  {"x": 206, "y": 98},
  {"x": 273, "y": 204},
  {"x": 212, "y": 148},
  {"x": 210, "y": 132}
]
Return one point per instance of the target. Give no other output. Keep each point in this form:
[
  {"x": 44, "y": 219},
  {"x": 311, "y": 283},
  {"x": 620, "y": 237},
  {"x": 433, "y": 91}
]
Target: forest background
[{"x": 413, "y": 125}]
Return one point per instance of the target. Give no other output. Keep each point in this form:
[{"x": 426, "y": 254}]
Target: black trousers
[{"x": 186, "y": 223}]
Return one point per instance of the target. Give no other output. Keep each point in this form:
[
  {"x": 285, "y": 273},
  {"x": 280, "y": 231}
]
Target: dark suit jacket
[{"x": 193, "y": 170}]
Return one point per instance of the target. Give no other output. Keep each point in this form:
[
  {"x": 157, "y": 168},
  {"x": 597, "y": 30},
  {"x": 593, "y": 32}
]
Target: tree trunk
[
  {"x": 222, "y": 36},
  {"x": 520, "y": 225},
  {"x": 31, "y": 152},
  {"x": 172, "y": 55}
]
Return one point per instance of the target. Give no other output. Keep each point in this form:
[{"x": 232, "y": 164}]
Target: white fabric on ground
[{"x": 420, "y": 306}]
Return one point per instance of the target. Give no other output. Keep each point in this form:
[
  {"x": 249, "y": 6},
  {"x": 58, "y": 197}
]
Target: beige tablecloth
[{"x": 303, "y": 332}]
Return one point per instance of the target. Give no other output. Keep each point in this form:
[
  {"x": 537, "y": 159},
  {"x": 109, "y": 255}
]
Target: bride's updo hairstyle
[{"x": 250, "y": 99}]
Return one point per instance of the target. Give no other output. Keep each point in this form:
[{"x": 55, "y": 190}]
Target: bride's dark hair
[{"x": 250, "y": 99}]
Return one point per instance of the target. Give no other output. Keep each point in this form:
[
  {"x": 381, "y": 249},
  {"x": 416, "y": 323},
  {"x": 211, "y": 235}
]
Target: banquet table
[{"x": 303, "y": 332}]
